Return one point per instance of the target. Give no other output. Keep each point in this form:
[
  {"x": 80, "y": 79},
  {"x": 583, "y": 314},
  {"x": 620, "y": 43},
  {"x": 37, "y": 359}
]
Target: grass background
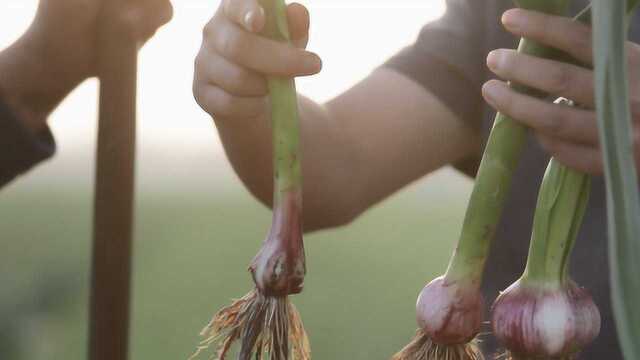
[{"x": 192, "y": 247}]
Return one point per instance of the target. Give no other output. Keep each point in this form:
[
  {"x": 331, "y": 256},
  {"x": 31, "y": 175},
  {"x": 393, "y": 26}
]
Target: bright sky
[{"x": 352, "y": 36}]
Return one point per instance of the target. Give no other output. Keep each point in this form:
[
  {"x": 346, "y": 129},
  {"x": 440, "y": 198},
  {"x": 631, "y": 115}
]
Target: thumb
[
  {"x": 151, "y": 15},
  {"x": 298, "y": 17}
]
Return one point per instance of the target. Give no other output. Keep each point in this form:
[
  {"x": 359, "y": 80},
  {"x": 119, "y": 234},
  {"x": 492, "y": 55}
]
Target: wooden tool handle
[{"x": 114, "y": 186}]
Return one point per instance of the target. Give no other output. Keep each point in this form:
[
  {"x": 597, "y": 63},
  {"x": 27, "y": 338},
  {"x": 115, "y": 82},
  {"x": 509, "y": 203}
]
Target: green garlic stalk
[
  {"x": 500, "y": 159},
  {"x": 545, "y": 315},
  {"x": 264, "y": 321},
  {"x": 492, "y": 184},
  {"x": 450, "y": 308}
]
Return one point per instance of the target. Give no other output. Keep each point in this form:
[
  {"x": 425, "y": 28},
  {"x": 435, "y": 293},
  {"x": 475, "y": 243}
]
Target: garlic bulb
[{"x": 545, "y": 322}]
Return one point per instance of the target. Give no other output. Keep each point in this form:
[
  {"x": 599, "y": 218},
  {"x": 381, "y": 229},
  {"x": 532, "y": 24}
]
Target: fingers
[
  {"x": 587, "y": 159},
  {"x": 557, "y": 78},
  {"x": 226, "y": 90},
  {"x": 559, "y": 121},
  {"x": 151, "y": 16},
  {"x": 567, "y": 133},
  {"x": 223, "y": 105},
  {"x": 558, "y": 32},
  {"x": 251, "y": 16},
  {"x": 231, "y": 68},
  {"x": 160, "y": 10},
  {"x": 212, "y": 69},
  {"x": 142, "y": 19},
  {"x": 246, "y": 13},
  {"x": 299, "y": 23},
  {"x": 553, "y": 77},
  {"x": 258, "y": 53}
]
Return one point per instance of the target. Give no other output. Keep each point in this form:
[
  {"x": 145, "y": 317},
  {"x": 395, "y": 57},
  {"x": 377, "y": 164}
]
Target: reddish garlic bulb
[
  {"x": 545, "y": 314},
  {"x": 449, "y": 312},
  {"x": 279, "y": 267},
  {"x": 543, "y": 322}
]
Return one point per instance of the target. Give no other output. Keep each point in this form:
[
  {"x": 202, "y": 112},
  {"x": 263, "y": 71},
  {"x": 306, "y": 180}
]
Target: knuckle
[
  {"x": 236, "y": 77},
  {"x": 167, "y": 13},
  {"x": 545, "y": 27},
  {"x": 128, "y": 19},
  {"x": 157, "y": 13},
  {"x": 197, "y": 96},
  {"x": 225, "y": 103},
  {"x": 197, "y": 63},
  {"x": 506, "y": 102},
  {"x": 211, "y": 99},
  {"x": 560, "y": 80},
  {"x": 591, "y": 120},
  {"x": 290, "y": 59},
  {"x": 510, "y": 61},
  {"x": 209, "y": 29},
  {"x": 514, "y": 105},
  {"x": 229, "y": 43},
  {"x": 202, "y": 67},
  {"x": 581, "y": 41},
  {"x": 227, "y": 6},
  {"x": 553, "y": 122}
]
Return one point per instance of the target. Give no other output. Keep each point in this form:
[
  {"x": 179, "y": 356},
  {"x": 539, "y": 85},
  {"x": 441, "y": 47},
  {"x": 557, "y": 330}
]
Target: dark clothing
[
  {"x": 448, "y": 59},
  {"x": 20, "y": 147}
]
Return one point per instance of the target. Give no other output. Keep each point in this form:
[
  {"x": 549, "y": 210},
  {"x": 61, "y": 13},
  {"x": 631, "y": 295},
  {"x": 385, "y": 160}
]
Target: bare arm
[
  {"x": 54, "y": 55},
  {"x": 358, "y": 148}
]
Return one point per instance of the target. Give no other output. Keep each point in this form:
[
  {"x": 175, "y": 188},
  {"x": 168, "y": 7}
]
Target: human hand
[
  {"x": 59, "y": 50},
  {"x": 234, "y": 60},
  {"x": 65, "y": 31},
  {"x": 568, "y": 133}
]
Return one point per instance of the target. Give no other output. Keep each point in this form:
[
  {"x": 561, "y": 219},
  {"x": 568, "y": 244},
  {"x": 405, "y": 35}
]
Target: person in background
[
  {"x": 421, "y": 110},
  {"x": 55, "y": 54}
]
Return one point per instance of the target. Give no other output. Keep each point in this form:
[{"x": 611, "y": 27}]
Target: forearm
[
  {"x": 358, "y": 149},
  {"x": 26, "y": 98},
  {"x": 31, "y": 83},
  {"x": 326, "y": 158}
]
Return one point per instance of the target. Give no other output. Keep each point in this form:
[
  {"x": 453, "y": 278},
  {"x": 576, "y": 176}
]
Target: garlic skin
[
  {"x": 545, "y": 322},
  {"x": 449, "y": 312},
  {"x": 279, "y": 267}
]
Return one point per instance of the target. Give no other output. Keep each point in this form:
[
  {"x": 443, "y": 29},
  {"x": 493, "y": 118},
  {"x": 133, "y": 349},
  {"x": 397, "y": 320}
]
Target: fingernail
[
  {"x": 494, "y": 59},
  {"x": 490, "y": 92},
  {"x": 252, "y": 19},
  {"x": 313, "y": 63},
  {"x": 512, "y": 19},
  {"x": 248, "y": 19}
]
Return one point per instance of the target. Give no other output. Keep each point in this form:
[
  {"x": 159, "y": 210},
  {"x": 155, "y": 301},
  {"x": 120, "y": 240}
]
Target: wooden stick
[{"x": 114, "y": 186}]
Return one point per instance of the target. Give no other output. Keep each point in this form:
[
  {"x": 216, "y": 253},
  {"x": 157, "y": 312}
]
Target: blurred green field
[{"x": 191, "y": 252}]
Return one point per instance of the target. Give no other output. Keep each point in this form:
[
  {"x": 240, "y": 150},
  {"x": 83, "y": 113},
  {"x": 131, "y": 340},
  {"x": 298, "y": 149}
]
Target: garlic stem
[{"x": 562, "y": 202}]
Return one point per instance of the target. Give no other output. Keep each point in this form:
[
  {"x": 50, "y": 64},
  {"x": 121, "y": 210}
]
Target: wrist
[
  {"x": 31, "y": 119},
  {"x": 32, "y": 82}
]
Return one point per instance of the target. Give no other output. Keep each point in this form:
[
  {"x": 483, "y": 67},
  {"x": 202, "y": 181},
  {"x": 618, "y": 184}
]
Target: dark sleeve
[
  {"x": 20, "y": 147},
  {"x": 448, "y": 60}
]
